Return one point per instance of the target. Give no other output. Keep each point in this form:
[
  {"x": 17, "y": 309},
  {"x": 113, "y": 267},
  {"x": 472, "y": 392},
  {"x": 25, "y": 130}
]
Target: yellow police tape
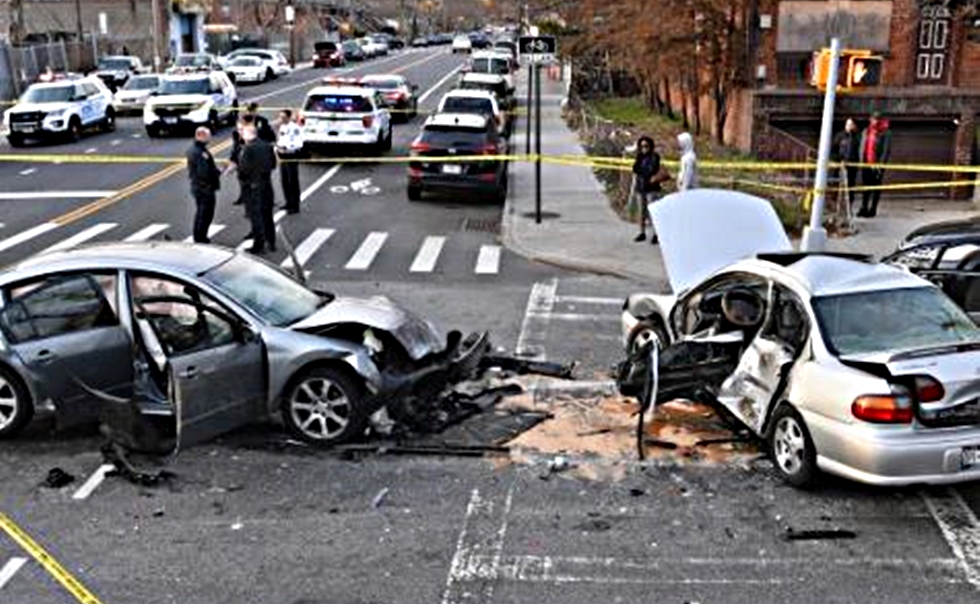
[{"x": 42, "y": 557}]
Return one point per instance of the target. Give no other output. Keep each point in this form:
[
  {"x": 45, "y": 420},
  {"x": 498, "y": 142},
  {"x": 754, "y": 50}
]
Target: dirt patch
[{"x": 596, "y": 437}]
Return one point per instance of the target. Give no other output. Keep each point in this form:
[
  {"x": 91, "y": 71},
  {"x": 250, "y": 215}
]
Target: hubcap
[
  {"x": 8, "y": 403},
  {"x": 789, "y": 445},
  {"x": 643, "y": 337},
  {"x": 320, "y": 408}
]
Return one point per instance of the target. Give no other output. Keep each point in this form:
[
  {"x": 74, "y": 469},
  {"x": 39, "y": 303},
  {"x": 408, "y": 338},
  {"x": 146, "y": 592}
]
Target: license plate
[
  {"x": 452, "y": 169},
  {"x": 23, "y": 128},
  {"x": 970, "y": 457},
  {"x": 169, "y": 120}
]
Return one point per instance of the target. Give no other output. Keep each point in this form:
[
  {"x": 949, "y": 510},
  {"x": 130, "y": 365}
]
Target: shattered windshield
[
  {"x": 892, "y": 320},
  {"x": 268, "y": 293}
]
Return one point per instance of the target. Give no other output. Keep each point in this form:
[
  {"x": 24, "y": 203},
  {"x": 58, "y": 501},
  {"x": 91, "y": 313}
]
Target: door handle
[
  {"x": 190, "y": 373},
  {"x": 45, "y": 356}
]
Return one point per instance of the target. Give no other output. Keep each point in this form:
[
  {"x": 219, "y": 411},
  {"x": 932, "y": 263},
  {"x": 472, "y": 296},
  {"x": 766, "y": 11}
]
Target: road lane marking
[
  {"x": 115, "y": 143},
  {"x": 28, "y": 171},
  {"x": 213, "y": 230},
  {"x": 147, "y": 232},
  {"x": 79, "y": 238},
  {"x": 305, "y": 250},
  {"x": 137, "y": 135},
  {"x": 488, "y": 261},
  {"x": 47, "y": 561},
  {"x": 320, "y": 182},
  {"x": 31, "y": 195},
  {"x": 960, "y": 528},
  {"x": 364, "y": 256},
  {"x": 481, "y": 538},
  {"x": 589, "y": 300},
  {"x": 93, "y": 482},
  {"x": 10, "y": 569},
  {"x": 534, "y": 327},
  {"x": 428, "y": 255},
  {"x": 91, "y": 150},
  {"x": 27, "y": 235},
  {"x": 438, "y": 84}
]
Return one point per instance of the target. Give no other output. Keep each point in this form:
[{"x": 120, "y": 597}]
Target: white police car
[
  {"x": 185, "y": 101},
  {"x": 346, "y": 115},
  {"x": 63, "y": 108}
]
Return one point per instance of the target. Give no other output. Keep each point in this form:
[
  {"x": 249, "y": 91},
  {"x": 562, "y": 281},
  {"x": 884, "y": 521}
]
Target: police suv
[
  {"x": 60, "y": 109},
  {"x": 185, "y": 101},
  {"x": 346, "y": 114}
]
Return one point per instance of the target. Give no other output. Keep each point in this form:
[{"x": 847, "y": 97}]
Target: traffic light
[{"x": 856, "y": 69}]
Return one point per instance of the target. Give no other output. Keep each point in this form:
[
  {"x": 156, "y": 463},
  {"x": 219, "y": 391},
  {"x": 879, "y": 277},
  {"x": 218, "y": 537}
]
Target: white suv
[
  {"x": 190, "y": 100},
  {"x": 60, "y": 109},
  {"x": 475, "y": 102},
  {"x": 346, "y": 115}
]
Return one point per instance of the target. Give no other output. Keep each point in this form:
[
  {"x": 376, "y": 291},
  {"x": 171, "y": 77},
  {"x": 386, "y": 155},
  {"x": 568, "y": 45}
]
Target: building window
[{"x": 934, "y": 35}]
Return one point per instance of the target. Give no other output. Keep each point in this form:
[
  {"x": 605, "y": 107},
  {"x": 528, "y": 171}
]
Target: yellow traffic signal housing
[{"x": 856, "y": 69}]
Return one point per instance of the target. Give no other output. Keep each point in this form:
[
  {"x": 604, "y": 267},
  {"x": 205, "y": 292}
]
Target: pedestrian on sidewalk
[
  {"x": 647, "y": 176},
  {"x": 848, "y": 152},
  {"x": 205, "y": 181},
  {"x": 876, "y": 146},
  {"x": 289, "y": 147},
  {"x": 687, "y": 176},
  {"x": 257, "y": 162}
]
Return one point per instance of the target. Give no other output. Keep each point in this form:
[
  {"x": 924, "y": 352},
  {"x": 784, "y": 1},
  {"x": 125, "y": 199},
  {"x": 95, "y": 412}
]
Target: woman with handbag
[{"x": 647, "y": 176}]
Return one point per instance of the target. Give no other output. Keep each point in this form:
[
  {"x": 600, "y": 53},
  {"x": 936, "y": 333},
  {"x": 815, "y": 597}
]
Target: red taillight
[
  {"x": 489, "y": 150},
  {"x": 883, "y": 408},
  {"x": 928, "y": 390},
  {"x": 367, "y": 120},
  {"x": 420, "y": 147}
]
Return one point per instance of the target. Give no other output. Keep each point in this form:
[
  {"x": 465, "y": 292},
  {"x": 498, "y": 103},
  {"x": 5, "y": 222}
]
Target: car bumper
[
  {"x": 49, "y": 128},
  {"x": 182, "y": 121},
  {"x": 368, "y": 137},
  {"x": 450, "y": 182},
  {"x": 127, "y": 107},
  {"x": 249, "y": 77},
  {"x": 881, "y": 457}
]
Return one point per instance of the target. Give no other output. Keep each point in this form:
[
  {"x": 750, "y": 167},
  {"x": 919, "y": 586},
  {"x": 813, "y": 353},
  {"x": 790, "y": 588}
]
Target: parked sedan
[
  {"x": 398, "y": 94},
  {"x": 210, "y": 338},
  {"x": 843, "y": 365},
  {"x": 247, "y": 69},
  {"x": 133, "y": 96},
  {"x": 948, "y": 254}
]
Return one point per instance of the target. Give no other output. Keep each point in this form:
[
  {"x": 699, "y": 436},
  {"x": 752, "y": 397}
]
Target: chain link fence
[{"x": 21, "y": 65}]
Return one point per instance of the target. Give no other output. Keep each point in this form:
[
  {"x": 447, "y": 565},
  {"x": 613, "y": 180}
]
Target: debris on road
[
  {"x": 57, "y": 479},
  {"x": 818, "y": 534}
]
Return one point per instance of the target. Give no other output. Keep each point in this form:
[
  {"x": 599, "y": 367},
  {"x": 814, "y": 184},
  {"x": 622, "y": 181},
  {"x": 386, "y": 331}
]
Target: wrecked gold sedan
[
  {"x": 842, "y": 365},
  {"x": 140, "y": 334}
]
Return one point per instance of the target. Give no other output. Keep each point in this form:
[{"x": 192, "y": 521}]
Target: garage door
[{"x": 913, "y": 142}]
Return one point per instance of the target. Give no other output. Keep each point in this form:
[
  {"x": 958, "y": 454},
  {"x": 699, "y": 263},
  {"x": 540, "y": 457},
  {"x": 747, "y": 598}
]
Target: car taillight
[
  {"x": 883, "y": 408},
  {"x": 367, "y": 120},
  {"x": 420, "y": 147},
  {"x": 928, "y": 389},
  {"x": 488, "y": 150}
]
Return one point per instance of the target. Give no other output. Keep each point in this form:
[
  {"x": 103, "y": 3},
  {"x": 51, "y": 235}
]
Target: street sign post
[{"x": 537, "y": 49}]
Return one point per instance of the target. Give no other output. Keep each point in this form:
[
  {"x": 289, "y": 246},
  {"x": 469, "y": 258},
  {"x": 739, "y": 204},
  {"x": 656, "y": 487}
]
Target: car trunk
[{"x": 438, "y": 145}]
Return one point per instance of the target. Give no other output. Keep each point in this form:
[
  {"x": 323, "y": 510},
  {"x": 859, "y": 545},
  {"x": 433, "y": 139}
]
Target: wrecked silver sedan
[
  {"x": 140, "y": 334},
  {"x": 842, "y": 365}
]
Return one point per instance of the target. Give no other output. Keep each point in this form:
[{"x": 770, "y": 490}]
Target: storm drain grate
[{"x": 482, "y": 225}]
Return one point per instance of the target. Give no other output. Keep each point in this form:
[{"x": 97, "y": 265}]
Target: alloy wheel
[
  {"x": 9, "y": 405},
  {"x": 789, "y": 445},
  {"x": 320, "y": 408}
]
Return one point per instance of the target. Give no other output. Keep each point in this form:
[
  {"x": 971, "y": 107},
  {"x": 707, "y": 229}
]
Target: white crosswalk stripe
[
  {"x": 79, "y": 238},
  {"x": 488, "y": 262},
  {"x": 148, "y": 232},
  {"x": 213, "y": 230},
  {"x": 10, "y": 569},
  {"x": 27, "y": 235},
  {"x": 305, "y": 250},
  {"x": 365, "y": 255},
  {"x": 425, "y": 260}
]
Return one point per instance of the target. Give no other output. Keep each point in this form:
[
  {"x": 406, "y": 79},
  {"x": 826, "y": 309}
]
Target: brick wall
[{"x": 899, "y": 68}]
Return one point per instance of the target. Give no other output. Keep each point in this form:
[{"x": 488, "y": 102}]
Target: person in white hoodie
[{"x": 687, "y": 175}]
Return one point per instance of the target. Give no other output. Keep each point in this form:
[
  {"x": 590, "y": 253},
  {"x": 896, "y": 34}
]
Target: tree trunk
[
  {"x": 668, "y": 103},
  {"x": 685, "y": 106}
]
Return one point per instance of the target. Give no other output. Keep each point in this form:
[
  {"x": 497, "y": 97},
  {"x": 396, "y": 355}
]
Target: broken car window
[
  {"x": 59, "y": 304},
  {"x": 186, "y": 327},
  {"x": 892, "y": 320}
]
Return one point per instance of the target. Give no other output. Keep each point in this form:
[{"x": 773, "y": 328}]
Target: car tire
[
  {"x": 153, "y": 132},
  {"x": 16, "y": 408},
  {"x": 109, "y": 123},
  {"x": 386, "y": 144},
  {"x": 325, "y": 406},
  {"x": 269, "y": 75},
  {"x": 233, "y": 114},
  {"x": 74, "y": 131},
  {"x": 793, "y": 453},
  {"x": 645, "y": 331},
  {"x": 213, "y": 122},
  {"x": 414, "y": 193},
  {"x": 15, "y": 140}
]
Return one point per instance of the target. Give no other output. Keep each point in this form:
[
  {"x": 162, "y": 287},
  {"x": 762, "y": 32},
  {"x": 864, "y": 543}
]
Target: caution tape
[{"x": 47, "y": 561}]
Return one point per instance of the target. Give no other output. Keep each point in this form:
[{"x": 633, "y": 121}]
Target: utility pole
[
  {"x": 814, "y": 235},
  {"x": 157, "y": 63},
  {"x": 78, "y": 19}
]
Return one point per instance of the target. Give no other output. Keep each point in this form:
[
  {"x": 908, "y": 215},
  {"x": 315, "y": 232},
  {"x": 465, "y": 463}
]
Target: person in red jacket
[{"x": 876, "y": 146}]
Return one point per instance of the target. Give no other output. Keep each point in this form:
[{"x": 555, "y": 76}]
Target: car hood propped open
[{"x": 704, "y": 230}]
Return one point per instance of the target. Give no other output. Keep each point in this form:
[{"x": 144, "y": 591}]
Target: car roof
[
  {"x": 192, "y": 75},
  {"x": 55, "y": 84},
  {"x": 469, "y": 93},
  {"x": 344, "y": 89},
  {"x": 490, "y": 78},
  {"x": 465, "y": 120},
  {"x": 490, "y": 54},
  {"x": 166, "y": 256},
  {"x": 375, "y": 77},
  {"x": 828, "y": 274}
]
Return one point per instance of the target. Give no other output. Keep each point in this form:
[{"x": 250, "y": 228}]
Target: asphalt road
[{"x": 253, "y": 519}]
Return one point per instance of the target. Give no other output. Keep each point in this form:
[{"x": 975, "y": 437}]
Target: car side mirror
[{"x": 246, "y": 334}]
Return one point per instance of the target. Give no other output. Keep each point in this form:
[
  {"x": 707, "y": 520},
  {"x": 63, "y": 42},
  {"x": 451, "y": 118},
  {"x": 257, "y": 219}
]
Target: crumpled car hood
[{"x": 417, "y": 336}]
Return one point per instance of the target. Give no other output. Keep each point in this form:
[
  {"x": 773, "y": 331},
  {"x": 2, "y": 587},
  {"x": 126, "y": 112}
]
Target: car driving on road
[
  {"x": 185, "y": 101},
  {"x": 398, "y": 94},
  {"x": 346, "y": 115},
  {"x": 841, "y": 364},
  {"x": 208, "y": 336},
  {"x": 133, "y": 96},
  {"x": 492, "y": 63},
  {"x": 462, "y": 43},
  {"x": 248, "y": 68},
  {"x": 60, "y": 109},
  {"x": 328, "y": 54},
  {"x": 446, "y": 136}
]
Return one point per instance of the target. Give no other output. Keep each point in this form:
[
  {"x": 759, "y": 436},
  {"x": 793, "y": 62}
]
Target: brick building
[{"x": 930, "y": 85}]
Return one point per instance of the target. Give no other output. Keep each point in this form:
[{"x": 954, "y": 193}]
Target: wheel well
[
  {"x": 766, "y": 431},
  {"x": 337, "y": 364},
  {"x": 20, "y": 381}
]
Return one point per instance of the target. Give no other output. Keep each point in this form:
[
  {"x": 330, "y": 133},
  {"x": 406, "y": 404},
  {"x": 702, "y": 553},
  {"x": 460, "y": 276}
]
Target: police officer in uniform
[
  {"x": 205, "y": 181},
  {"x": 255, "y": 167}
]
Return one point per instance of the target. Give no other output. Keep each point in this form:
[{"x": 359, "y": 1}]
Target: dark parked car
[
  {"x": 353, "y": 51},
  {"x": 480, "y": 41},
  {"x": 328, "y": 54},
  {"x": 420, "y": 42},
  {"x": 446, "y": 135},
  {"x": 948, "y": 254}
]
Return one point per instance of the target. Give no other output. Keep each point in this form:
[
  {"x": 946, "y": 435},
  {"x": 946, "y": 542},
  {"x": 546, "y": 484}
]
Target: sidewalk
[{"x": 581, "y": 232}]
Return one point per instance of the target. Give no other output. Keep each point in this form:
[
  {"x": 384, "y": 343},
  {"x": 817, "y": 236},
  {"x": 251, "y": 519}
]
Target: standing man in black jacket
[
  {"x": 255, "y": 167},
  {"x": 205, "y": 181}
]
